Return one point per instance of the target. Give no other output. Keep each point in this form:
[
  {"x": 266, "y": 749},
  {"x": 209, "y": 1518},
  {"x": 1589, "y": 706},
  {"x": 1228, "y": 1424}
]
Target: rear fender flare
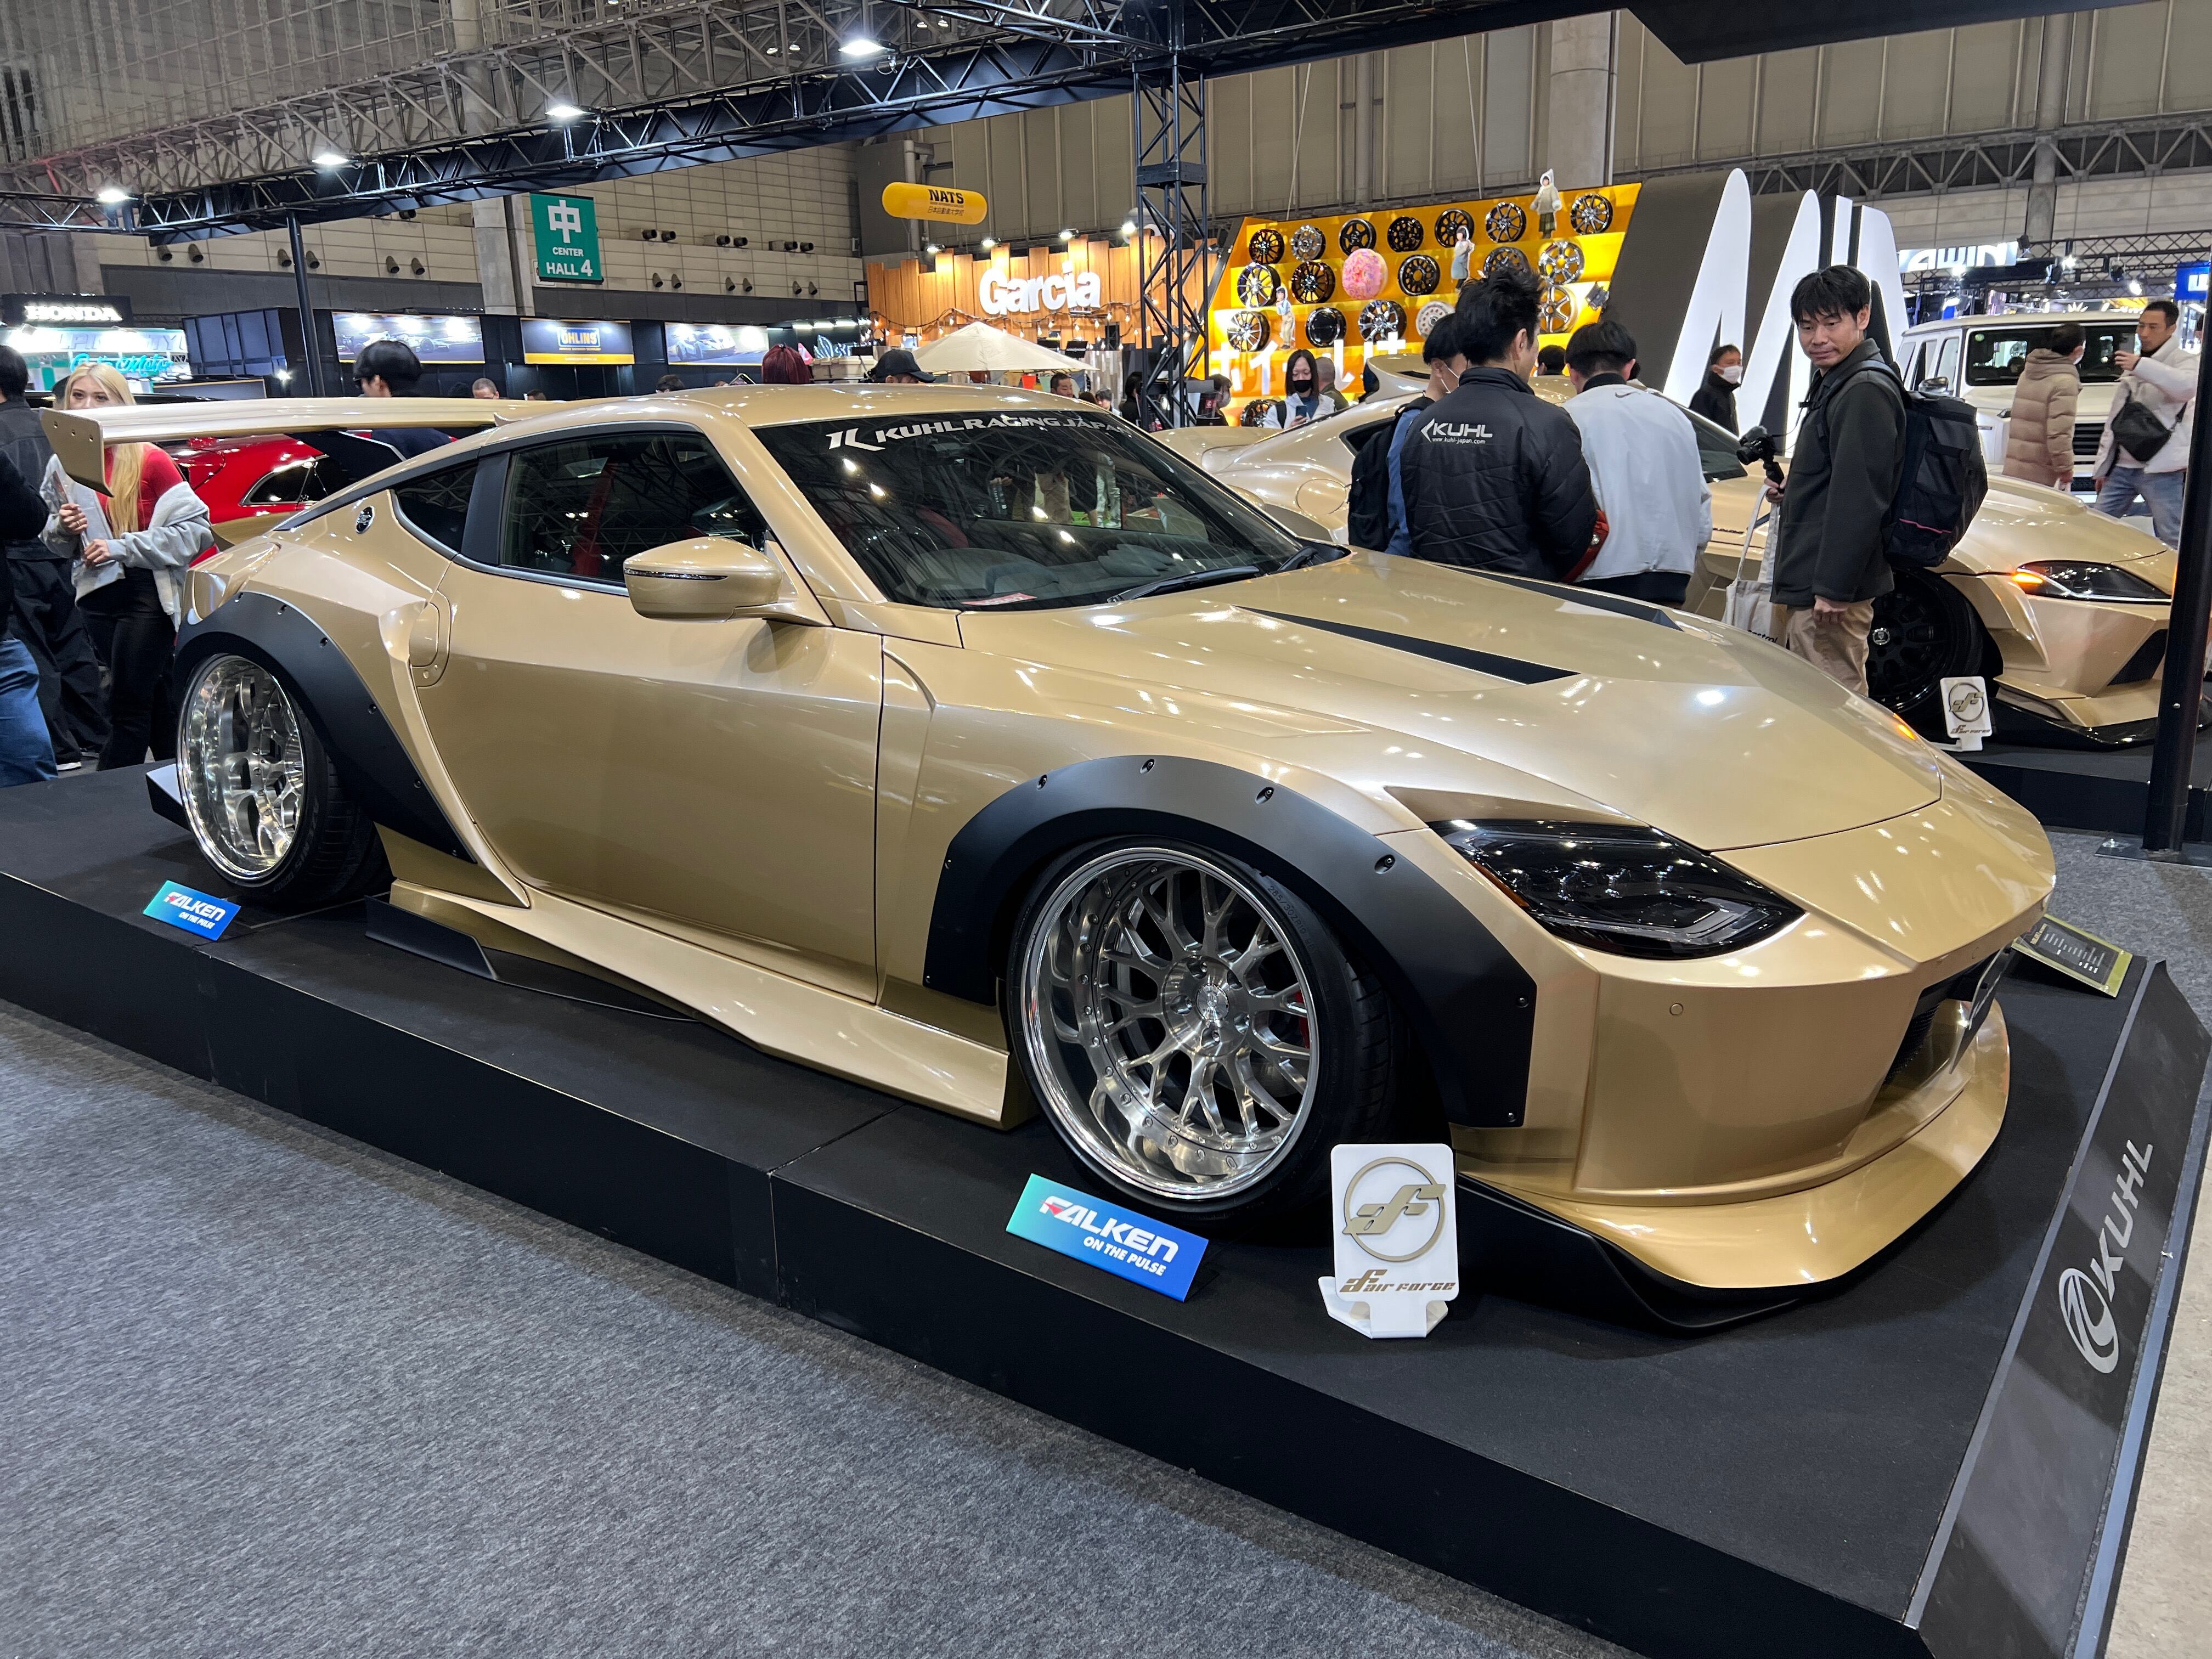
[{"x": 371, "y": 760}]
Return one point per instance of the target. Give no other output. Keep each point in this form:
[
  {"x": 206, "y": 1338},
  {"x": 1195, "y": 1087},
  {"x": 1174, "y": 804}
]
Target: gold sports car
[
  {"x": 2061, "y": 609},
  {"x": 971, "y": 745}
]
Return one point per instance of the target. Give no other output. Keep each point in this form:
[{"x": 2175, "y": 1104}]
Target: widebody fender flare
[
  {"x": 371, "y": 760},
  {"x": 1472, "y": 1006}
]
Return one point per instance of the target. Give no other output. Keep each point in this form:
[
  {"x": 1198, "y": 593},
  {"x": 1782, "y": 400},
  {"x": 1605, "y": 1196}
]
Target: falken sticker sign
[
  {"x": 1131, "y": 1246},
  {"x": 201, "y": 914}
]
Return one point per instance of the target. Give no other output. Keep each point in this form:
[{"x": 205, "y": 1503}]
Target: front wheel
[
  {"x": 265, "y": 804},
  {"x": 1925, "y": 631},
  {"x": 1194, "y": 1031}
]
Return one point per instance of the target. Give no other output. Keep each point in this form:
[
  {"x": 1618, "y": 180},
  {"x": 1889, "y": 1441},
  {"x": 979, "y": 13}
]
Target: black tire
[
  {"x": 1924, "y": 632},
  {"x": 1348, "y": 1023},
  {"x": 233, "y": 712}
]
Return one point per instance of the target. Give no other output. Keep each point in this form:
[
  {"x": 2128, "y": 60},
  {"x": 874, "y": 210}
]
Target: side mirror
[
  {"x": 1936, "y": 388},
  {"x": 707, "y": 579}
]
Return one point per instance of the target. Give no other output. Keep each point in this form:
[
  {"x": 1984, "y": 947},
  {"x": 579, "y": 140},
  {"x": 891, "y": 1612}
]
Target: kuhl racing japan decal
[{"x": 881, "y": 437}]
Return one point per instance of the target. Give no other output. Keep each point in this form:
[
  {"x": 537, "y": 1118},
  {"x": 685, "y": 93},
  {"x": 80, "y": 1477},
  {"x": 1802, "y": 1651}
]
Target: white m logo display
[{"x": 1720, "y": 304}]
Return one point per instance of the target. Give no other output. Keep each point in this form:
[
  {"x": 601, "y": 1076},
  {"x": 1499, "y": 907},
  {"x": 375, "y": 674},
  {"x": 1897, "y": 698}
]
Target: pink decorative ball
[{"x": 1364, "y": 273}]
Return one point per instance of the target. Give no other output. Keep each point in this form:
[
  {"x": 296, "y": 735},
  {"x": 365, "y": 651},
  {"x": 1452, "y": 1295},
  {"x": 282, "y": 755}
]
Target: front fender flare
[{"x": 1471, "y": 1005}]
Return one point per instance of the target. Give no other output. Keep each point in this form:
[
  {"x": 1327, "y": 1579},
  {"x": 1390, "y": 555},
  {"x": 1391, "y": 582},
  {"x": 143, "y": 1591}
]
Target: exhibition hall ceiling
[{"x": 211, "y": 113}]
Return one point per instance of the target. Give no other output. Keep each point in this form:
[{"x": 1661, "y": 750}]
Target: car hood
[{"x": 1707, "y": 733}]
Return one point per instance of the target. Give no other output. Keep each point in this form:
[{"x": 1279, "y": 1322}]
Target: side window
[
  {"x": 1947, "y": 367},
  {"x": 1915, "y": 368},
  {"x": 283, "y": 486},
  {"x": 435, "y": 506},
  {"x": 582, "y": 508}
]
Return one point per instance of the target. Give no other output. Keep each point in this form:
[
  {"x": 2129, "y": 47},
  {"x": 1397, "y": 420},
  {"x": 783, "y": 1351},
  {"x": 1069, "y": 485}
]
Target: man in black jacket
[
  {"x": 25, "y": 756},
  {"x": 1831, "y": 565},
  {"x": 46, "y": 619},
  {"x": 1493, "y": 477}
]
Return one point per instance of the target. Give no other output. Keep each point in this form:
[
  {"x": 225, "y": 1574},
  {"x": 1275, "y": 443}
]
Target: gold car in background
[
  {"x": 968, "y": 744},
  {"x": 2063, "y": 610}
]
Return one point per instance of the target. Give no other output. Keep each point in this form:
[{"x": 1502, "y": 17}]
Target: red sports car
[{"x": 254, "y": 479}]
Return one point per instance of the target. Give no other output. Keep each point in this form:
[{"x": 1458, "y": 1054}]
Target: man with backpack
[
  {"x": 1377, "y": 503},
  {"x": 1828, "y": 552}
]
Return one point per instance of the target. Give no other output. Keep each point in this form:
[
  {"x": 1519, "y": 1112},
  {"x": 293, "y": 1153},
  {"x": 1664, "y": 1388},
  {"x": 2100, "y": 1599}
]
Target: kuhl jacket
[
  {"x": 2040, "y": 439},
  {"x": 1494, "y": 479},
  {"x": 2165, "y": 383},
  {"x": 1649, "y": 478},
  {"x": 1842, "y": 479}
]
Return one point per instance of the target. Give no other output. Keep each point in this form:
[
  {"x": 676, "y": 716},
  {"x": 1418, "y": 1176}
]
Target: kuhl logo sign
[{"x": 2085, "y": 1299}]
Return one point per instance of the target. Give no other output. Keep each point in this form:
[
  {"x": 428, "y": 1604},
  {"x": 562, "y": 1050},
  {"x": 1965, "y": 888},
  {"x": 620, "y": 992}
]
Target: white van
[{"x": 1979, "y": 359}]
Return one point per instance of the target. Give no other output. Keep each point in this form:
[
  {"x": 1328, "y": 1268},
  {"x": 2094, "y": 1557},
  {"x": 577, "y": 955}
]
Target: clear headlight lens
[
  {"x": 1614, "y": 887},
  {"x": 2070, "y": 579}
]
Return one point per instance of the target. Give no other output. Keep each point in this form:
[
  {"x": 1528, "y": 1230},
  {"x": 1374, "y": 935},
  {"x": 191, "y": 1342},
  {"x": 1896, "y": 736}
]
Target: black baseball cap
[{"x": 898, "y": 361}]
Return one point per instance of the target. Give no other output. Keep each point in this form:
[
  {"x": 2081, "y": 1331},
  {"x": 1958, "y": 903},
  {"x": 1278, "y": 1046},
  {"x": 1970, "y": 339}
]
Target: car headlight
[
  {"x": 1618, "y": 888},
  {"x": 2071, "y": 578}
]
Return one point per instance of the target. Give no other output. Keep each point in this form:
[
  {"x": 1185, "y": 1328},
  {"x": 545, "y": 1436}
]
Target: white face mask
[{"x": 1733, "y": 374}]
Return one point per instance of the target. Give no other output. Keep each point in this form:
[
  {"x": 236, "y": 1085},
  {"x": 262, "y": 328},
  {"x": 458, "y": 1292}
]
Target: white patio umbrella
[{"x": 980, "y": 346}]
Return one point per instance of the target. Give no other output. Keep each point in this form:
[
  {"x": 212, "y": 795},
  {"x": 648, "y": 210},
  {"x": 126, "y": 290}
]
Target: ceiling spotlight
[
  {"x": 391, "y": 266},
  {"x": 722, "y": 242},
  {"x": 739, "y": 241},
  {"x": 806, "y": 248},
  {"x": 1066, "y": 235},
  {"x": 667, "y": 235},
  {"x": 329, "y": 158},
  {"x": 562, "y": 111},
  {"x": 657, "y": 282},
  {"x": 112, "y": 195},
  {"x": 417, "y": 266},
  {"x": 1128, "y": 227},
  {"x": 861, "y": 46},
  {"x": 933, "y": 249},
  {"x": 990, "y": 242},
  {"x": 648, "y": 235},
  {"x": 2135, "y": 284}
]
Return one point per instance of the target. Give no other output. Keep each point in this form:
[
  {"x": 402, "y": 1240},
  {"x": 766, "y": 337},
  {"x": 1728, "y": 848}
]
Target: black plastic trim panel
[
  {"x": 1473, "y": 1007},
  {"x": 371, "y": 760},
  {"x": 1584, "y": 596},
  {"x": 1459, "y": 656}
]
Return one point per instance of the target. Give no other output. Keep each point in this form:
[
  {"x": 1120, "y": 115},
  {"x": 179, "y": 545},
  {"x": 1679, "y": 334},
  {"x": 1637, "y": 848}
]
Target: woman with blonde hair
[{"x": 133, "y": 542}]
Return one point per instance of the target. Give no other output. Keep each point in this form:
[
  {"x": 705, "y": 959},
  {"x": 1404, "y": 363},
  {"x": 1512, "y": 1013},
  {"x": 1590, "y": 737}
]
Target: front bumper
[{"x": 1948, "y": 1107}]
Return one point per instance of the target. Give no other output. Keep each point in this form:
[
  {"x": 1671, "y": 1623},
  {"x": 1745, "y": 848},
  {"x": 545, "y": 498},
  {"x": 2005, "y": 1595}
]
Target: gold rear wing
[{"x": 79, "y": 436}]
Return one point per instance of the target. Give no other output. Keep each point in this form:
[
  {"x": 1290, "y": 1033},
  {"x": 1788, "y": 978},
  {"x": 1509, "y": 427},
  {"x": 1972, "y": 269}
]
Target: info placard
[
  {"x": 1121, "y": 1242},
  {"x": 2079, "y": 955}
]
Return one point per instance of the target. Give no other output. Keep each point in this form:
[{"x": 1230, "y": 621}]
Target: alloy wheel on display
[
  {"x": 1910, "y": 648},
  {"x": 1168, "y": 1015},
  {"x": 239, "y": 767}
]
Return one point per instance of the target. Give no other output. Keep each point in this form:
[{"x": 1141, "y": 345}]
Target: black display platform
[
  {"x": 2104, "y": 790},
  {"x": 1925, "y": 1463}
]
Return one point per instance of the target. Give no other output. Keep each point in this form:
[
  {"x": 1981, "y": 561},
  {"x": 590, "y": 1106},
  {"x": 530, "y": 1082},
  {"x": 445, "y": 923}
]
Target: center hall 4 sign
[{"x": 567, "y": 231}]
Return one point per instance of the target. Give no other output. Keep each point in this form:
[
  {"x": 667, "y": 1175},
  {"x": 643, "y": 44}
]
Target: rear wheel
[
  {"x": 1924, "y": 632},
  {"x": 265, "y": 802},
  {"x": 1194, "y": 1031}
]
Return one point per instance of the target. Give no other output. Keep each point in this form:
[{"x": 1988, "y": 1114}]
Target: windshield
[
  {"x": 1994, "y": 357},
  {"x": 1715, "y": 448},
  {"x": 1003, "y": 509}
]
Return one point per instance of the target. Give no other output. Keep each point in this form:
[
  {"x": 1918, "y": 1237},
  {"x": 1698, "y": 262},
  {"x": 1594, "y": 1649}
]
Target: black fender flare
[
  {"x": 1471, "y": 1005},
  {"x": 371, "y": 760}
]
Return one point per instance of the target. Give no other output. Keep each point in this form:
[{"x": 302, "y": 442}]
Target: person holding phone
[{"x": 2144, "y": 453}]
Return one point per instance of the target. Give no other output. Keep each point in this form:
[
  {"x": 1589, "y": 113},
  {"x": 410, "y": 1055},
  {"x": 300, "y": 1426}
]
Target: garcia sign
[{"x": 998, "y": 293}]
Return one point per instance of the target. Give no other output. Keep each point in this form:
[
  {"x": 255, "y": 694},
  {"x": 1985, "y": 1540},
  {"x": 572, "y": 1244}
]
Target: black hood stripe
[
  {"x": 1482, "y": 662},
  {"x": 1612, "y": 602}
]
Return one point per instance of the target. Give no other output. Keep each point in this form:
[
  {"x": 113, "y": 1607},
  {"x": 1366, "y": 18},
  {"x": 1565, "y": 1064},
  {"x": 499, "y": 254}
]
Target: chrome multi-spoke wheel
[
  {"x": 240, "y": 767},
  {"x": 1168, "y": 1013}
]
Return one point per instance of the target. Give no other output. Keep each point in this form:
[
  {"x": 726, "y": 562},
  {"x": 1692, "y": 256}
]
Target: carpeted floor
[{"x": 270, "y": 1392}]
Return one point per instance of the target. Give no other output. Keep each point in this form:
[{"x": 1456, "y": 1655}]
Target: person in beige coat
[{"x": 2040, "y": 441}]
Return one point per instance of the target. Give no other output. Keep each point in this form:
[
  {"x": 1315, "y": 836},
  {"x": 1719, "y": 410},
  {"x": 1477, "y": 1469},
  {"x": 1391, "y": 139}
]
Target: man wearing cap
[{"x": 897, "y": 367}]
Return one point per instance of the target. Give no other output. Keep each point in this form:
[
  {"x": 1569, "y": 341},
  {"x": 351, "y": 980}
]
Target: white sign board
[
  {"x": 1966, "y": 709},
  {"x": 1396, "y": 1222}
]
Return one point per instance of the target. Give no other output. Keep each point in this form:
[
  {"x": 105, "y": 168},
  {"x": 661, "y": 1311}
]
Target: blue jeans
[
  {"x": 26, "y": 755},
  {"x": 2160, "y": 491}
]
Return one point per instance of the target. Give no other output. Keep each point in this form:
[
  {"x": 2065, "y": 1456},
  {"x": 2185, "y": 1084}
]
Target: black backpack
[
  {"x": 1367, "y": 522},
  {"x": 1942, "y": 482}
]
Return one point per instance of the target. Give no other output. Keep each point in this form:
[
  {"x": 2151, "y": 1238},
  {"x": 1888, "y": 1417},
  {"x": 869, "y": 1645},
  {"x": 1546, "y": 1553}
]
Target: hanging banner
[{"x": 953, "y": 207}]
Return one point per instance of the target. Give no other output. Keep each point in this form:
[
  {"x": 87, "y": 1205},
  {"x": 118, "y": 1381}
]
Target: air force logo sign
[{"x": 1396, "y": 1218}]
